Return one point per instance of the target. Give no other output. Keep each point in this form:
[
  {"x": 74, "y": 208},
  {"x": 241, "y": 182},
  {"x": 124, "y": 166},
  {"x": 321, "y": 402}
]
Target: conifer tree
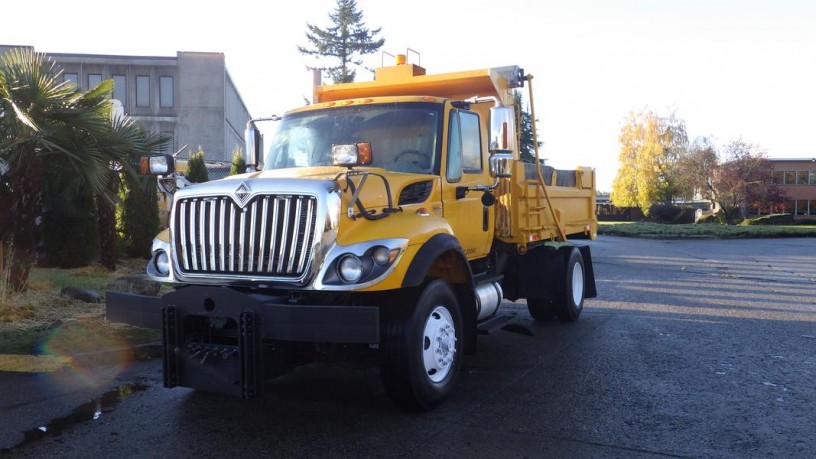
[
  {"x": 238, "y": 162},
  {"x": 526, "y": 125},
  {"x": 345, "y": 40},
  {"x": 196, "y": 167}
]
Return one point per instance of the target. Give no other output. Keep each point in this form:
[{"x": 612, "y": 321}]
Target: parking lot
[{"x": 701, "y": 348}]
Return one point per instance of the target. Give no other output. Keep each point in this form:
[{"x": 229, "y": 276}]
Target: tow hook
[{"x": 205, "y": 352}]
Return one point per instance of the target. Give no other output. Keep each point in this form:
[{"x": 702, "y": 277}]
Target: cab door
[{"x": 465, "y": 167}]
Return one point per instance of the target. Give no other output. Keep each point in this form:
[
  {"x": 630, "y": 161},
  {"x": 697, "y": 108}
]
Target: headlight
[
  {"x": 360, "y": 265},
  {"x": 381, "y": 255},
  {"x": 162, "y": 263},
  {"x": 350, "y": 268}
]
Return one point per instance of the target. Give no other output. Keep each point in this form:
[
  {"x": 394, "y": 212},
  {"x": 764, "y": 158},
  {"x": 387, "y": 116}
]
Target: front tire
[{"x": 422, "y": 346}]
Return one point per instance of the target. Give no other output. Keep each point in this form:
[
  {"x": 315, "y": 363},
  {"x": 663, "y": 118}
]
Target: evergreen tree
[
  {"x": 238, "y": 162},
  {"x": 140, "y": 216},
  {"x": 196, "y": 167},
  {"x": 346, "y": 39},
  {"x": 525, "y": 120}
]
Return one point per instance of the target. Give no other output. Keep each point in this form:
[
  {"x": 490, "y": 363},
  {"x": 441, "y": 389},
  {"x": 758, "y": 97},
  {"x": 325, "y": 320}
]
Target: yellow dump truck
[{"x": 388, "y": 221}]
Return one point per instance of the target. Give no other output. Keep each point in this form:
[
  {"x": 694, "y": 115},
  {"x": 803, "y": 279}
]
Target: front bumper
[{"x": 276, "y": 318}]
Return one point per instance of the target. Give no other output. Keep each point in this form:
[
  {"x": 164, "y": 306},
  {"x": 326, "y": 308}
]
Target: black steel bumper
[{"x": 275, "y": 318}]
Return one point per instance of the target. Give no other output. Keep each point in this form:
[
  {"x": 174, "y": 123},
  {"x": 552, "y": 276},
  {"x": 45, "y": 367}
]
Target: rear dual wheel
[{"x": 568, "y": 292}]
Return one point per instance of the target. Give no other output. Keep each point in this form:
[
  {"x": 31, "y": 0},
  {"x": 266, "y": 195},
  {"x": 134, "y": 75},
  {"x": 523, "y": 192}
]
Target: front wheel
[{"x": 422, "y": 346}]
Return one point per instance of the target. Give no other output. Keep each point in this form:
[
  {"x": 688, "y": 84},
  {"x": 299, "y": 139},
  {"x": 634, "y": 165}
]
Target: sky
[{"x": 729, "y": 68}]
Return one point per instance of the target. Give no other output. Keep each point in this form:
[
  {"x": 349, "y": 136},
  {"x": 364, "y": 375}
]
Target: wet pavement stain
[{"x": 90, "y": 411}]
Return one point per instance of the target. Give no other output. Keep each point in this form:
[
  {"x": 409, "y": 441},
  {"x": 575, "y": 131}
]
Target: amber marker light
[
  {"x": 423, "y": 212},
  {"x": 144, "y": 165},
  {"x": 364, "y": 153}
]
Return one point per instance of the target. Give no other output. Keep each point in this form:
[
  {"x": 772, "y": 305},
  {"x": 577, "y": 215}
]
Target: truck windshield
[{"x": 404, "y": 137}]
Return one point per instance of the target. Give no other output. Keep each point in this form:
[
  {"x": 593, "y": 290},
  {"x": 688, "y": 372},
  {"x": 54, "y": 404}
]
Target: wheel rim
[
  {"x": 438, "y": 344},
  {"x": 577, "y": 285}
]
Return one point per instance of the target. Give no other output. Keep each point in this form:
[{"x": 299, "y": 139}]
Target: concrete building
[
  {"x": 189, "y": 96},
  {"x": 798, "y": 178}
]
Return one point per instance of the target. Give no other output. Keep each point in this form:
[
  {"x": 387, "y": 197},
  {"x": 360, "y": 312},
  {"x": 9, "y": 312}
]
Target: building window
[
  {"x": 801, "y": 207},
  {"x": 94, "y": 79},
  {"x": 779, "y": 177},
  {"x": 813, "y": 207},
  {"x": 801, "y": 177},
  {"x": 120, "y": 88},
  {"x": 166, "y": 91},
  {"x": 812, "y": 177},
  {"x": 790, "y": 177},
  {"x": 142, "y": 91},
  {"x": 72, "y": 78}
]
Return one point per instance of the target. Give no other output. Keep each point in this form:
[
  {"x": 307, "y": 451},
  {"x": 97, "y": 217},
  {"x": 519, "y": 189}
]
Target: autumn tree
[
  {"x": 744, "y": 180},
  {"x": 650, "y": 148},
  {"x": 344, "y": 41},
  {"x": 696, "y": 169}
]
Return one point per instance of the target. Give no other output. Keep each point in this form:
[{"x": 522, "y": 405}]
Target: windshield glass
[{"x": 404, "y": 137}]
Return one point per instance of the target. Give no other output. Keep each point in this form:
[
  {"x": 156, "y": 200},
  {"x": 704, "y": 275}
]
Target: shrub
[
  {"x": 196, "y": 168},
  {"x": 671, "y": 213},
  {"x": 710, "y": 218},
  {"x": 140, "y": 217},
  {"x": 238, "y": 162},
  {"x": 773, "y": 219},
  {"x": 686, "y": 215}
]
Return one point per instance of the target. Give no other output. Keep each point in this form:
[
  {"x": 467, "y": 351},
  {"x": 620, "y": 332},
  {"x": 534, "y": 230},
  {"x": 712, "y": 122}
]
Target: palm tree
[{"x": 44, "y": 124}]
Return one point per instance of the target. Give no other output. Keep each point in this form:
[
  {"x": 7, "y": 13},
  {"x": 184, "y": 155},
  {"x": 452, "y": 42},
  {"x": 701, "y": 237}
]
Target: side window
[
  {"x": 471, "y": 142},
  {"x": 454, "y": 165}
]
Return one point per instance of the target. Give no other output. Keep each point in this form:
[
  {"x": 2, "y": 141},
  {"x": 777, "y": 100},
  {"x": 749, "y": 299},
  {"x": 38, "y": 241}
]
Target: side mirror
[
  {"x": 501, "y": 165},
  {"x": 502, "y": 130},
  {"x": 157, "y": 165},
  {"x": 253, "y": 147}
]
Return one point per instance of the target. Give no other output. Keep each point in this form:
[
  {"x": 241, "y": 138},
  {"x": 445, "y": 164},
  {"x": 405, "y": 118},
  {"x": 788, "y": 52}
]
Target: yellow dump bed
[{"x": 523, "y": 214}]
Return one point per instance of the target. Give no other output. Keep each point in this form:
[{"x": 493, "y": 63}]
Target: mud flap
[{"x": 589, "y": 272}]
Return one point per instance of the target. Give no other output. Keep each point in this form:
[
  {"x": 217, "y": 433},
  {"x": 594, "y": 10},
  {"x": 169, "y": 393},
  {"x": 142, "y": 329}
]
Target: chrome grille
[{"x": 271, "y": 236}]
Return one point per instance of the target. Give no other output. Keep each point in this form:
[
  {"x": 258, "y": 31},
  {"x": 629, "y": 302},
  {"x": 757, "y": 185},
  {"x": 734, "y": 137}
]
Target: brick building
[{"x": 797, "y": 177}]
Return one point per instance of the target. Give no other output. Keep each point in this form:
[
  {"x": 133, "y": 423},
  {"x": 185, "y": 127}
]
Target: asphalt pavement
[{"x": 692, "y": 349}]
